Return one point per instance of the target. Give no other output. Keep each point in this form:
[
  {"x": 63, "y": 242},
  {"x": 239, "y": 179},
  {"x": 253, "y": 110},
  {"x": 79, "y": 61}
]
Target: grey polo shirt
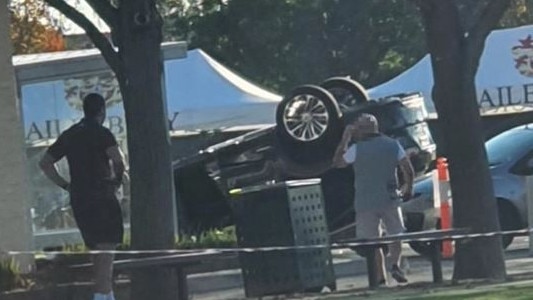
[{"x": 375, "y": 161}]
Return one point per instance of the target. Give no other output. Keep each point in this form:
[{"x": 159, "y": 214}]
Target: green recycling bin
[{"x": 287, "y": 214}]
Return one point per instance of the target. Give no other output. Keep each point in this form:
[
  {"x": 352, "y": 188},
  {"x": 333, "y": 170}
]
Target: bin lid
[{"x": 273, "y": 184}]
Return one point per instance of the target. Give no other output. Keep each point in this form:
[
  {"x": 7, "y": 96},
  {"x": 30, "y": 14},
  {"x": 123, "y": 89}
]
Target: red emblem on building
[{"x": 523, "y": 56}]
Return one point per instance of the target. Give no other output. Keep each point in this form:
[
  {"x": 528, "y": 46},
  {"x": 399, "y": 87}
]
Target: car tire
[
  {"x": 414, "y": 224},
  {"x": 308, "y": 125},
  {"x": 509, "y": 220},
  {"x": 346, "y": 91}
]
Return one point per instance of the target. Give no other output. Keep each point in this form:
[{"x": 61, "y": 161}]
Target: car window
[
  {"x": 510, "y": 145},
  {"x": 395, "y": 115},
  {"x": 416, "y": 110}
]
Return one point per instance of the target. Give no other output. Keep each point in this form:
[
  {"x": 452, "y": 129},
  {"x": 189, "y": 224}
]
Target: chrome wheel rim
[{"x": 305, "y": 117}]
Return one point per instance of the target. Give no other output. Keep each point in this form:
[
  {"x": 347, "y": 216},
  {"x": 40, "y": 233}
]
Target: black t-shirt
[{"x": 84, "y": 144}]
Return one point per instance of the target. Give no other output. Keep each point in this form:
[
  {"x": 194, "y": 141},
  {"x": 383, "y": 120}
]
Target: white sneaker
[{"x": 398, "y": 275}]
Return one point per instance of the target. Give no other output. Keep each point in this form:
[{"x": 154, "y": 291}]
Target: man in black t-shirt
[{"x": 90, "y": 150}]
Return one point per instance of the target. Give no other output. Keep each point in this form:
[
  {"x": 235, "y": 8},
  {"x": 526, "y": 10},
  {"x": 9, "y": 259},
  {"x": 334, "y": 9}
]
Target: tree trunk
[
  {"x": 455, "y": 64},
  {"x": 152, "y": 226}
]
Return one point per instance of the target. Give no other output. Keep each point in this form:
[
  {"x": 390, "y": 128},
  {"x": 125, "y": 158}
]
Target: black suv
[{"x": 309, "y": 124}]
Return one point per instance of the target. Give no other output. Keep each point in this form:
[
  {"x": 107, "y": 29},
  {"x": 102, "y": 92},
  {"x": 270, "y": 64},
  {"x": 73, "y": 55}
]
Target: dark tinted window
[{"x": 395, "y": 115}]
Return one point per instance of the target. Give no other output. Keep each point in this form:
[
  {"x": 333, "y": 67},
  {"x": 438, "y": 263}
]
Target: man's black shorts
[{"x": 99, "y": 219}]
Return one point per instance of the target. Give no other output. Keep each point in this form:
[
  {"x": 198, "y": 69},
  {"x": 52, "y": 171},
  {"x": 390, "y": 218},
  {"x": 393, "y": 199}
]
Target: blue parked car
[{"x": 510, "y": 156}]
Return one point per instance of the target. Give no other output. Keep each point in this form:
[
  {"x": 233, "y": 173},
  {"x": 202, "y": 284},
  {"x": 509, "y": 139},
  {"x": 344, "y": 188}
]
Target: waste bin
[{"x": 283, "y": 214}]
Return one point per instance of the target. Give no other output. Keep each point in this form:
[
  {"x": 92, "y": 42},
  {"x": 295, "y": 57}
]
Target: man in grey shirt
[{"x": 375, "y": 158}]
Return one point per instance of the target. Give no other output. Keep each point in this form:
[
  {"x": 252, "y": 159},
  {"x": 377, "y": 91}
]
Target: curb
[{"x": 232, "y": 279}]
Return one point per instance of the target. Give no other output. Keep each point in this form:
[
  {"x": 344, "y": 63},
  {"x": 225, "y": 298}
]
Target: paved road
[{"x": 351, "y": 273}]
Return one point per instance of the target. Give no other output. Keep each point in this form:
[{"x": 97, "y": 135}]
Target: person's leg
[
  {"x": 103, "y": 271},
  {"x": 393, "y": 220},
  {"x": 367, "y": 226},
  {"x": 380, "y": 265},
  {"x": 107, "y": 229}
]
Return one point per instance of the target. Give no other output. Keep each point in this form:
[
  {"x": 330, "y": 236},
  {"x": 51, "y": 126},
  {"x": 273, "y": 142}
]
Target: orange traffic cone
[{"x": 445, "y": 205}]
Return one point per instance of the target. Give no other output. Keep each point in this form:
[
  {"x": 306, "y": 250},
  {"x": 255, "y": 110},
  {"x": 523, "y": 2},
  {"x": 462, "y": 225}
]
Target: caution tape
[{"x": 337, "y": 245}]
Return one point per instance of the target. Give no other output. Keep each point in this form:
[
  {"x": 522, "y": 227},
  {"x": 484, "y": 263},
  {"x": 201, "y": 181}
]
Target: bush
[
  {"x": 10, "y": 276},
  {"x": 225, "y": 238},
  {"x": 77, "y": 254},
  {"x": 215, "y": 238}
]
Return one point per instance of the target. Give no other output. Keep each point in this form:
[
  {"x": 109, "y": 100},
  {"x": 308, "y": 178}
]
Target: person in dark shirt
[{"x": 96, "y": 167}]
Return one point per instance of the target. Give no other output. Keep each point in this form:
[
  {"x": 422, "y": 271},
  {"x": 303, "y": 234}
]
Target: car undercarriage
[{"x": 309, "y": 124}]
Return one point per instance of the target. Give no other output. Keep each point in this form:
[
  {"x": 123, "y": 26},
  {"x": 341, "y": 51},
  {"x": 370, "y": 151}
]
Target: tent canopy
[
  {"x": 208, "y": 95},
  {"x": 504, "y": 81}
]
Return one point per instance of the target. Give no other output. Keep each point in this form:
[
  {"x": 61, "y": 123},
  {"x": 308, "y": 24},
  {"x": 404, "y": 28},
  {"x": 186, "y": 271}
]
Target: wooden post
[
  {"x": 371, "y": 266},
  {"x": 436, "y": 265},
  {"x": 183, "y": 289}
]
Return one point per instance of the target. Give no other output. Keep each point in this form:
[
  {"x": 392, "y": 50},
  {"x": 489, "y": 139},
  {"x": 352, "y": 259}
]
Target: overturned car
[{"x": 309, "y": 124}]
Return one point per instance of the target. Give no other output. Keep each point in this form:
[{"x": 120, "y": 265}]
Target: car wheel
[
  {"x": 346, "y": 91},
  {"x": 413, "y": 223},
  {"x": 308, "y": 124},
  {"x": 509, "y": 220}
]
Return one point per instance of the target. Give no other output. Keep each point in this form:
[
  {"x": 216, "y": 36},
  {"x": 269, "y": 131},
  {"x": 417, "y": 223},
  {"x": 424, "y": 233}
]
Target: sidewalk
[
  {"x": 350, "y": 271},
  {"x": 518, "y": 287},
  {"x": 352, "y": 282}
]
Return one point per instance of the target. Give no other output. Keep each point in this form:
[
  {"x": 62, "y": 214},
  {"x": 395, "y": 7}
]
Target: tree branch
[
  {"x": 490, "y": 16},
  {"x": 423, "y": 6},
  {"x": 470, "y": 11},
  {"x": 475, "y": 38},
  {"x": 106, "y": 11},
  {"x": 99, "y": 39}
]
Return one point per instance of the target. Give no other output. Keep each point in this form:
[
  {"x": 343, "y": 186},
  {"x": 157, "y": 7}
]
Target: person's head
[
  {"x": 367, "y": 124},
  {"x": 94, "y": 107}
]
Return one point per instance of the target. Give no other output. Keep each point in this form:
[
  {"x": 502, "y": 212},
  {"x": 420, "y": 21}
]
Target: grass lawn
[{"x": 508, "y": 293}]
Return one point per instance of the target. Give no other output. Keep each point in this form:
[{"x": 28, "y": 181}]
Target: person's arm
[
  {"x": 338, "y": 157},
  {"x": 47, "y": 164},
  {"x": 408, "y": 175},
  {"x": 54, "y": 153},
  {"x": 117, "y": 159}
]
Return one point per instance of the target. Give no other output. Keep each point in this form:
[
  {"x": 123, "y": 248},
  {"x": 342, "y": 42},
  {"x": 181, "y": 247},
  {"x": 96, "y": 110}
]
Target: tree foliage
[
  {"x": 32, "y": 30},
  {"x": 281, "y": 43},
  {"x": 519, "y": 13}
]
